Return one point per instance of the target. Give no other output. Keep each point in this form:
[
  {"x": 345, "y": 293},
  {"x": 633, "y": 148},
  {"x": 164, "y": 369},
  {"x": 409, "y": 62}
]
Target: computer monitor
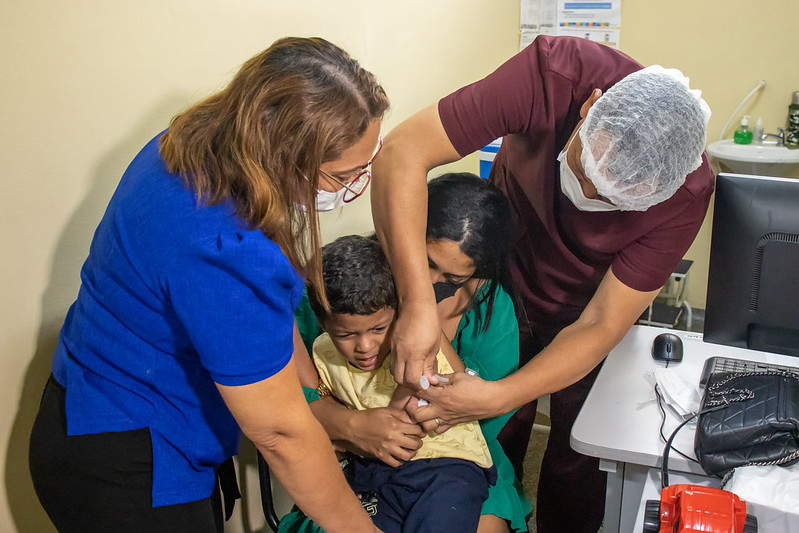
[{"x": 753, "y": 284}]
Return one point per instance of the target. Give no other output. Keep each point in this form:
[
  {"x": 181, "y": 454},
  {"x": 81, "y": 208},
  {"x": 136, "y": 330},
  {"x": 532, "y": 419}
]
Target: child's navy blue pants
[{"x": 426, "y": 495}]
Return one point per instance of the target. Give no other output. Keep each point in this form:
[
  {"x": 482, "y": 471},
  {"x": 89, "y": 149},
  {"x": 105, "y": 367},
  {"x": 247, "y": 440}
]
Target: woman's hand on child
[
  {"x": 462, "y": 399},
  {"x": 388, "y": 434},
  {"x": 429, "y": 425},
  {"x": 415, "y": 343}
]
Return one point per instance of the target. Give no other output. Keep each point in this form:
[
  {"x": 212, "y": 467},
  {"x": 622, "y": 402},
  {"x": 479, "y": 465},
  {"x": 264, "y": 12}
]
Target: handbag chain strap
[
  {"x": 776, "y": 462},
  {"x": 720, "y": 397}
]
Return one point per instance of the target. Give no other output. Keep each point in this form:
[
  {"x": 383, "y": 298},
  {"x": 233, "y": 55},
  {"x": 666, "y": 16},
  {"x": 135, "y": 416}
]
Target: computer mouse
[{"x": 667, "y": 347}]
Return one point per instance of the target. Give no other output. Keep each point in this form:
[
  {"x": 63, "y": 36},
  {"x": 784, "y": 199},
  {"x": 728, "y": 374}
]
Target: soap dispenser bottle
[
  {"x": 792, "y": 131},
  {"x": 743, "y": 135}
]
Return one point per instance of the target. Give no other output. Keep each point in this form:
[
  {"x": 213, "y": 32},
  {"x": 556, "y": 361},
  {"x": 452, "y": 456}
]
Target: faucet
[{"x": 779, "y": 136}]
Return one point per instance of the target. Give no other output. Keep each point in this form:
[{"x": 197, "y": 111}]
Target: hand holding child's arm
[
  {"x": 383, "y": 432},
  {"x": 417, "y": 405}
]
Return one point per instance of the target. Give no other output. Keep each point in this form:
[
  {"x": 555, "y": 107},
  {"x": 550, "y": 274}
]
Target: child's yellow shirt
[{"x": 365, "y": 390}]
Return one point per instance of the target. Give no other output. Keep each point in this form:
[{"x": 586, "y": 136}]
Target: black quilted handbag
[{"x": 751, "y": 419}]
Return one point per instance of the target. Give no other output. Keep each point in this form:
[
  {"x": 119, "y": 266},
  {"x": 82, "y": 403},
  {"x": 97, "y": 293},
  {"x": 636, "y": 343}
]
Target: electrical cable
[
  {"x": 663, "y": 424},
  {"x": 664, "y": 469}
]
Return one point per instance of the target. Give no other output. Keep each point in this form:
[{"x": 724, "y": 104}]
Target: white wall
[{"x": 86, "y": 83}]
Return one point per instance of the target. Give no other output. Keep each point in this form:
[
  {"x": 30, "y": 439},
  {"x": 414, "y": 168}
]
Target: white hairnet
[{"x": 643, "y": 136}]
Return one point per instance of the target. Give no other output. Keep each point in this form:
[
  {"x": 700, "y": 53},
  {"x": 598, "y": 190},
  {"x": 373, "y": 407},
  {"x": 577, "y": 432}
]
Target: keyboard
[{"x": 717, "y": 365}]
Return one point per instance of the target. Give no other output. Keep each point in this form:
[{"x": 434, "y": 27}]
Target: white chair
[{"x": 670, "y": 303}]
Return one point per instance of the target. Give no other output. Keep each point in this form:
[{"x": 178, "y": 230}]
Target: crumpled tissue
[{"x": 679, "y": 393}]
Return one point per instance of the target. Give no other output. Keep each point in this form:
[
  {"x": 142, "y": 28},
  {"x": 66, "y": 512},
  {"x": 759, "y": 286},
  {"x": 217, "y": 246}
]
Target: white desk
[{"x": 620, "y": 419}]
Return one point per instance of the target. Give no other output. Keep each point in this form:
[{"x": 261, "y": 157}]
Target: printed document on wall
[
  {"x": 596, "y": 20},
  {"x": 538, "y": 17}
]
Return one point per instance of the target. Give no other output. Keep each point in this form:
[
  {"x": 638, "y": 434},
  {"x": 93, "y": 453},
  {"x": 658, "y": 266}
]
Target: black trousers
[
  {"x": 103, "y": 482},
  {"x": 571, "y": 488}
]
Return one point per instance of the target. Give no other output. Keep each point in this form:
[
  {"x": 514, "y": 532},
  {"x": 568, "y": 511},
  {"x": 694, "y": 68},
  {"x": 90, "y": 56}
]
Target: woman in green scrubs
[{"x": 468, "y": 240}]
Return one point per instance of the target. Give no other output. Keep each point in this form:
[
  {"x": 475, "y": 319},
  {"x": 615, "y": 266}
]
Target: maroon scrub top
[{"x": 560, "y": 254}]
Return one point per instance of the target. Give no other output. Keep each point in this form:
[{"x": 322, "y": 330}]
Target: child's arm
[
  {"x": 449, "y": 352},
  {"x": 457, "y": 365},
  {"x": 382, "y": 432},
  {"x": 400, "y": 397},
  {"x": 402, "y": 394}
]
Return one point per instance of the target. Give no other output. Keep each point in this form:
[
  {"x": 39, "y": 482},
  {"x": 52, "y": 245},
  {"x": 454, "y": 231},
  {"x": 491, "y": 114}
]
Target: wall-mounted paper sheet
[{"x": 597, "y": 20}]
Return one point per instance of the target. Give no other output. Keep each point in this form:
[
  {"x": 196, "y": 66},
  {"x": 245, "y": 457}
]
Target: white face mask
[
  {"x": 328, "y": 201},
  {"x": 573, "y": 190}
]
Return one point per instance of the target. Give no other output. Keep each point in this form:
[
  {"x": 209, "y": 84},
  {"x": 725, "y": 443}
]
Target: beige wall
[
  {"x": 725, "y": 47},
  {"x": 85, "y": 83}
]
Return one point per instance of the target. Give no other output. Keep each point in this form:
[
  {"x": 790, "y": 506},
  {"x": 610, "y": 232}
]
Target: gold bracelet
[{"x": 323, "y": 389}]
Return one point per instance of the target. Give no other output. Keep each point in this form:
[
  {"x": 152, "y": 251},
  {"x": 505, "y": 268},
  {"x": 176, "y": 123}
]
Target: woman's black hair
[
  {"x": 356, "y": 276},
  {"x": 466, "y": 209}
]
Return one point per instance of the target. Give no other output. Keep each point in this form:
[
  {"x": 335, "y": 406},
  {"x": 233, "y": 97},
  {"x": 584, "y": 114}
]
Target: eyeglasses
[{"x": 357, "y": 183}]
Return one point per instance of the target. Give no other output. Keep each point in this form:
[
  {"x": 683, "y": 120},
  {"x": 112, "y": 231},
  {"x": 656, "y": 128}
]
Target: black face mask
[{"x": 445, "y": 289}]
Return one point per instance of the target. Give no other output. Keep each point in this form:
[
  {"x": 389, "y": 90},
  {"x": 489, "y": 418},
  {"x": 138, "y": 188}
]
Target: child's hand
[{"x": 388, "y": 434}]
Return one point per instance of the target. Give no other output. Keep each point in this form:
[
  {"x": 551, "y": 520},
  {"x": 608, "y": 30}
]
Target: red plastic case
[{"x": 694, "y": 508}]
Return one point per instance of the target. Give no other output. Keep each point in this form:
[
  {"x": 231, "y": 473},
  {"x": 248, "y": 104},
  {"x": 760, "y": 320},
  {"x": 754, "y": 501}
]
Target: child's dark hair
[
  {"x": 466, "y": 209},
  {"x": 357, "y": 278}
]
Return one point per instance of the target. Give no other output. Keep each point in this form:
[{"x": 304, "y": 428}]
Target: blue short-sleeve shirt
[{"x": 175, "y": 296}]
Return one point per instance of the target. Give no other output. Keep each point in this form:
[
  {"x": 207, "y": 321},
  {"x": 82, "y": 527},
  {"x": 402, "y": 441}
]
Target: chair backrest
[{"x": 266, "y": 494}]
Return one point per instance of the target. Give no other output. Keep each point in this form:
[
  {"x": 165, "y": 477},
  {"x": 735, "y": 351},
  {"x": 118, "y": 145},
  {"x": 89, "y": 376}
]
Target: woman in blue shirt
[{"x": 181, "y": 333}]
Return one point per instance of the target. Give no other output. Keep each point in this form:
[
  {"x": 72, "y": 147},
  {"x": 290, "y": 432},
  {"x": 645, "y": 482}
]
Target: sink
[{"x": 765, "y": 159}]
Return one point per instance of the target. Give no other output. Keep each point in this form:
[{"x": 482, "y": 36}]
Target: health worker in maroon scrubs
[{"x": 602, "y": 162}]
